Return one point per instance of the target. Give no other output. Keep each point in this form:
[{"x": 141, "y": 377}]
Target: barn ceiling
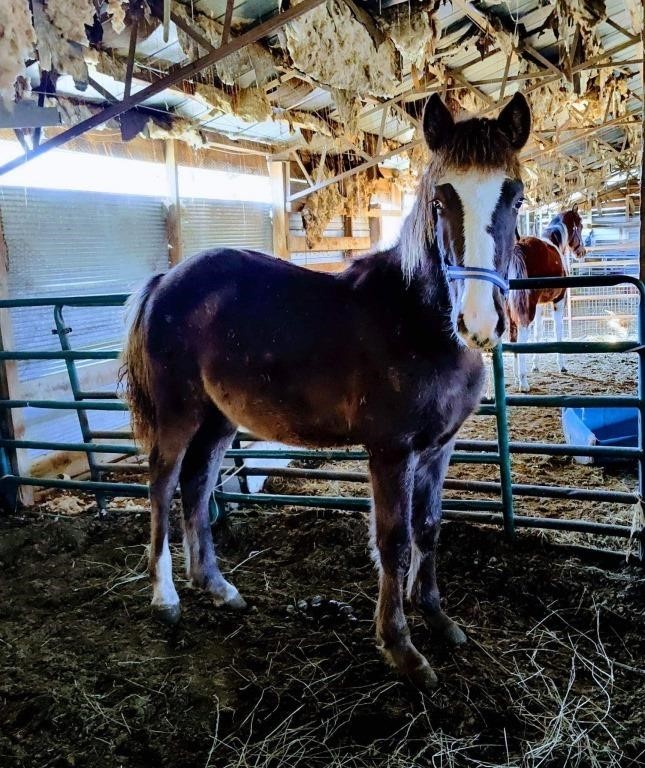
[{"x": 340, "y": 88}]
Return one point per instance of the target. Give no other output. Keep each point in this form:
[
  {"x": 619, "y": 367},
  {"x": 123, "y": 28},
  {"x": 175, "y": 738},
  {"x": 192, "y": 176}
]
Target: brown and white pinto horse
[
  {"x": 544, "y": 256},
  {"x": 386, "y": 354}
]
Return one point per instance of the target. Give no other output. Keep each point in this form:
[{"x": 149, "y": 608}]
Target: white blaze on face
[{"x": 479, "y": 193}]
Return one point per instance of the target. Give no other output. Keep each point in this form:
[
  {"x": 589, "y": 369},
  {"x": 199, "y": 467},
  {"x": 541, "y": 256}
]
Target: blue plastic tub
[{"x": 600, "y": 426}]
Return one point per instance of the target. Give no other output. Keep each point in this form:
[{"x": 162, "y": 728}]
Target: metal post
[
  {"x": 62, "y": 332},
  {"x": 503, "y": 442}
]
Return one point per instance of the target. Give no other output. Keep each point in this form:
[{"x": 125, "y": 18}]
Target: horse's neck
[
  {"x": 381, "y": 273},
  {"x": 428, "y": 282}
]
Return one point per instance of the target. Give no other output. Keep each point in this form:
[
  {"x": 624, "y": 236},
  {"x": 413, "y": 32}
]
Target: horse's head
[
  {"x": 474, "y": 191},
  {"x": 573, "y": 223}
]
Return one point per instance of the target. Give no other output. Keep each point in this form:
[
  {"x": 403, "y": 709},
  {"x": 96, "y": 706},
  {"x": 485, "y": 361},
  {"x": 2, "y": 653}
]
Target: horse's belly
[{"x": 284, "y": 420}]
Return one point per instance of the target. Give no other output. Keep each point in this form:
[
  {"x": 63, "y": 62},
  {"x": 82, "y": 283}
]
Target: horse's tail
[
  {"x": 518, "y": 299},
  {"x": 135, "y": 367}
]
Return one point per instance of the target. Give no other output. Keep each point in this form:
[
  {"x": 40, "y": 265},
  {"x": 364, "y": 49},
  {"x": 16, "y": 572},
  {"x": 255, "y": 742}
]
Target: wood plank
[
  {"x": 278, "y": 172},
  {"x": 376, "y": 232},
  {"x": 327, "y": 266},
  {"x": 299, "y": 244},
  {"x": 173, "y": 213}
]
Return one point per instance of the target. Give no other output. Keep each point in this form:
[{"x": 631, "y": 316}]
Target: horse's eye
[
  {"x": 437, "y": 205},
  {"x": 518, "y": 204}
]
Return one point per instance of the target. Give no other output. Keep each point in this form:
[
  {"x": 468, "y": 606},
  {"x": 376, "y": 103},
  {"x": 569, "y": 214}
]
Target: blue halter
[{"x": 477, "y": 273}]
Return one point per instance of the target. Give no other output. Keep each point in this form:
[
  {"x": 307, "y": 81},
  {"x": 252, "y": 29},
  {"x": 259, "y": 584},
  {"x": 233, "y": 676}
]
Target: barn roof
[{"x": 342, "y": 86}]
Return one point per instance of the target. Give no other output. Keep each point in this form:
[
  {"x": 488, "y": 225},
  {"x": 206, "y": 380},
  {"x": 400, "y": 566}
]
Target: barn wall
[
  {"x": 212, "y": 223},
  {"x": 335, "y": 228},
  {"x": 75, "y": 243}
]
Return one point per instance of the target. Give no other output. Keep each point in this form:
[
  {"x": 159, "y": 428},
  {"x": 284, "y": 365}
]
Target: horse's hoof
[
  {"x": 525, "y": 388},
  {"x": 563, "y": 369},
  {"x": 454, "y": 635},
  {"x": 237, "y": 603},
  {"x": 423, "y": 677},
  {"x": 167, "y": 614},
  {"x": 230, "y": 599}
]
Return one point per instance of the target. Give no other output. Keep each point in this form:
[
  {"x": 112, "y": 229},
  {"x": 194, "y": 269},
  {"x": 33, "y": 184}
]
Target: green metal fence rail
[{"x": 498, "y": 452}]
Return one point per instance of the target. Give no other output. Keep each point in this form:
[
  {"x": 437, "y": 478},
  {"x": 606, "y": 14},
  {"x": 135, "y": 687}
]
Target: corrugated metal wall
[
  {"x": 64, "y": 243},
  {"x": 212, "y": 223}
]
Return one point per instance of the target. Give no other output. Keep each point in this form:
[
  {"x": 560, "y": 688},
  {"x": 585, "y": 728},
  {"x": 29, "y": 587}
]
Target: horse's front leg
[
  {"x": 426, "y": 520},
  {"x": 392, "y": 482},
  {"x": 538, "y": 335},
  {"x": 558, "y": 321},
  {"x": 523, "y": 379}
]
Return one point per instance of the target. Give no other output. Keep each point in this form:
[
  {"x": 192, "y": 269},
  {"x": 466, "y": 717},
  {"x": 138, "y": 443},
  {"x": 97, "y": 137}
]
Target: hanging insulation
[
  {"x": 17, "y": 39},
  {"x": 116, "y": 9},
  {"x": 414, "y": 35},
  {"x": 347, "y": 61},
  {"x": 69, "y": 17}
]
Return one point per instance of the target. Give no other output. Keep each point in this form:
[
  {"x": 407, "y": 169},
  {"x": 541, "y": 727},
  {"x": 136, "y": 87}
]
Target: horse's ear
[
  {"x": 514, "y": 121},
  {"x": 575, "y": 208},
  {"x": 437, "y": 122}
]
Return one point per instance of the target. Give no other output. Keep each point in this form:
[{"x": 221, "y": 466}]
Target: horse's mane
[
  {"x": 518, "y": 300},
  {"x": 557, "y": 233},
  {"x": 474, "y": 144}
]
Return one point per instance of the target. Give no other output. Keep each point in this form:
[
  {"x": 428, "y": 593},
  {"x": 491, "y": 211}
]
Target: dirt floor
[{"x": 553, "y": 675}]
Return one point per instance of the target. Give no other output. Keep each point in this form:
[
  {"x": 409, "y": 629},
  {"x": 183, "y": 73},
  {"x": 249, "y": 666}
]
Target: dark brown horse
[
  {"x": 544, "y": 256},
  {"x": 385, "y": 354}
]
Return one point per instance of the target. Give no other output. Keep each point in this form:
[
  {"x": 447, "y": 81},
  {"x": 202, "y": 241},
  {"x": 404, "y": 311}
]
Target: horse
[
  {"x": 544, "y": 256},
  {"x": 386, "y": 354}
]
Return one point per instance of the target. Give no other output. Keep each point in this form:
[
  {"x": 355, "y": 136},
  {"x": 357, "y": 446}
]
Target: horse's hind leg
[
  {"x": 558, "y": 318},
  {"x": 392, "y": 480},
  {"x": 426, "y": 520},
  {"x": 165, "y": 459},
  {"x": 199, "y": 471}
]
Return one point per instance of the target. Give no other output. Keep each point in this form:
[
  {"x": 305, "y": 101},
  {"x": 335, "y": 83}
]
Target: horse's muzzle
[{"x": 479, "y": 340}]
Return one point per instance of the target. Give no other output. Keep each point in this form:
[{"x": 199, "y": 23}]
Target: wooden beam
[
  {"x": 375, "y": 222},
  {"x": 507, "y": 67},
  {"x": 352, "y": 171},
  {"x": 173, "y": 214},
  {"x": 301, "y": 165},
  {"x": 572, "y": 139},
  {"x": 228, "y": 18},
  {"x": 278, "y": 172},
  {"x": 299, "y": 244},
  {"x": 132, "y": 52},
  {"x": 192, "y": 32}
]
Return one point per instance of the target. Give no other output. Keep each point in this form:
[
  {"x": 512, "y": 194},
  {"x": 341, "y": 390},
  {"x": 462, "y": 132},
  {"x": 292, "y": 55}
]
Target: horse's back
[{"x": 542, "y": 258}]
